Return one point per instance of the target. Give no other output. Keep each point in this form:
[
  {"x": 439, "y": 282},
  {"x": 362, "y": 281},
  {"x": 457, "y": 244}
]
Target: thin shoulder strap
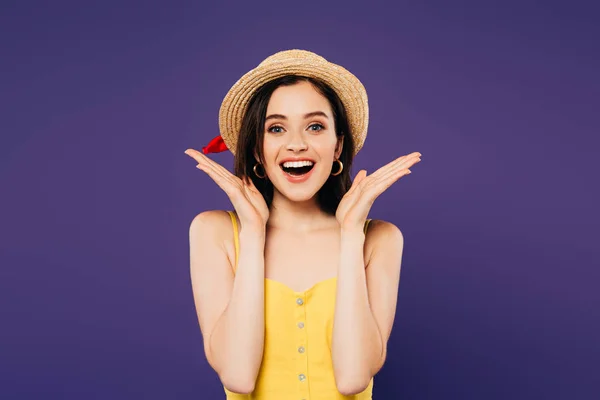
[
  {"x": 367, "y": 225},
  {"x": 236, "y": 239}
]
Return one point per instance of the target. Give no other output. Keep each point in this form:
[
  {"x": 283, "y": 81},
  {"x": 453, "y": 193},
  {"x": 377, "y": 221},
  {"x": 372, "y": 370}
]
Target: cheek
[
  {"x": 325, "y": 146},
  {"x": 270, "y": 150}
]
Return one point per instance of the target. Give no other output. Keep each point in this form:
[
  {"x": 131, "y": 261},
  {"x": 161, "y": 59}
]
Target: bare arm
[
  {"x": 366, "y": 298},
  {"x": 365, "y": 305},
  {"x": 230, "y": 307}
]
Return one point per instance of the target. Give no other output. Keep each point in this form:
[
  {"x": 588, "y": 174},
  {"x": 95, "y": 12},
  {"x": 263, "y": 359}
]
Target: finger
[
  {"x": 377, "y": 189},
  {"x": 384, "y": 184},
  {"x": 393, "y": 164},
  {"x": 403, "y": 166},
  {"x": 210, "y": 165},
  {"x": 402, "y": 162},
  {"x": 218, "y": 167},
  {"x": 202, "y": 159},
  {"x": 224, "y": 182},
  {"x": 384, "y": 180},
  {"x": 399, "y": 163},
  {"x": 357, "y": 179},
  {"x": 214, "y": 172},
  {"x": 195, "y": 154},
  {"x": 405, "y": 163},
  {"x": 356, "y": 182},
  {"x": 230, "y": 183},
  {"x": 375, "y": 184},
  {"x": 362, "y": 174},
  {"x": 374, "y": 191}
]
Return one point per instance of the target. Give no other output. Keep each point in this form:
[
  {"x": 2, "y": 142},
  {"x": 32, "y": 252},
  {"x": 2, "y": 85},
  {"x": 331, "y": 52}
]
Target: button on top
[
  {"x": 300, "y": 325},
  {"x": 299, "y": 301},
  {"x": 301, "y": 349},
  {"x": 302, "y": 377}
]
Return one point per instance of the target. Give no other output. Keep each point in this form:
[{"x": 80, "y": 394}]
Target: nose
[{"x": 296, "y": 143}]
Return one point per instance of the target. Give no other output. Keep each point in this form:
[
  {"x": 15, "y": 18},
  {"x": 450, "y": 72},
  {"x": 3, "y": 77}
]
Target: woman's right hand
[{"x": 248, "y": 202}]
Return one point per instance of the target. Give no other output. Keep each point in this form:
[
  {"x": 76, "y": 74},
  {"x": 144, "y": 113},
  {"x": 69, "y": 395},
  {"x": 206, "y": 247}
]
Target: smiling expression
[{"x": 300, "y": 143}]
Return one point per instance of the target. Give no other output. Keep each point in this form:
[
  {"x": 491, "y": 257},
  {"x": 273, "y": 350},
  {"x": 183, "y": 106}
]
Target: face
[{"x": 300, "y": 144}]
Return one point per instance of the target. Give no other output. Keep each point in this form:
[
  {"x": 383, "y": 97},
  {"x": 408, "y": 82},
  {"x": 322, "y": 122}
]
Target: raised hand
[
  {"x": 356, "y": 203},
  {"x": 245, "y": 198}
]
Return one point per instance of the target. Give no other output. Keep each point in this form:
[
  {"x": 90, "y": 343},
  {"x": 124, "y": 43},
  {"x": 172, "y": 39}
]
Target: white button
[
  {"x": 300, "y": 301},
  {"x": 300, "y": 325},
  {"x": 301, "y": 349},
  {"x": 302, "y": 377}
]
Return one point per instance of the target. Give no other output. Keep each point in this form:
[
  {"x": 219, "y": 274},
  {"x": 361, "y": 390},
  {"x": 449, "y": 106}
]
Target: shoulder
[
  {"x": 211, "y": 233},
  {"x": 216, "y": 223},
  {"x": 380, "y": 231},
  {"x": 211, "y": 218},
  {"x": 382, "y": 236}
]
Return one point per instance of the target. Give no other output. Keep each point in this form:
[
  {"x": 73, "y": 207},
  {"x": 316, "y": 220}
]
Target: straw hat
[{"x": 295, "y": 62}]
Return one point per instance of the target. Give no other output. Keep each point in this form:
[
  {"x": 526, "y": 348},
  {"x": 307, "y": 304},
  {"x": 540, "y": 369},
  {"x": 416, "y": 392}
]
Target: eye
[
  {"x": 317, "y": 125},
  {"x": 274, "y": 127}
]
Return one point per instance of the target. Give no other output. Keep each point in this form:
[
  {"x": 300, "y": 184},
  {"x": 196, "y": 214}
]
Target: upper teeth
[{"x": 297, "y": 164}]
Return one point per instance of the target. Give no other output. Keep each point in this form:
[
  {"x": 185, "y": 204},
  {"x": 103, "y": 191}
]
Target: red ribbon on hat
[{"x": 216, "y": 145}]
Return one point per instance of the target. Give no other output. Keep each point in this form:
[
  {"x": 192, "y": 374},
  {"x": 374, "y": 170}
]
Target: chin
[{"x": 295, "y": 195}]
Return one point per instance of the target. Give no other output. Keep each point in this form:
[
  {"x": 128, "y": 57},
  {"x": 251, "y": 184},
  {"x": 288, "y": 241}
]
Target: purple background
[{"x": 498, "y": 297}]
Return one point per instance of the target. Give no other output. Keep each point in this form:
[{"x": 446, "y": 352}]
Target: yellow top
[{"x": 297, "y": 349}]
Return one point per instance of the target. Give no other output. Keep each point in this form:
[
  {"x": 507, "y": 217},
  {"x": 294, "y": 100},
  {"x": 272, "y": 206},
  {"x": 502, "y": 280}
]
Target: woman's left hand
[{"x": 356, "y": 203}]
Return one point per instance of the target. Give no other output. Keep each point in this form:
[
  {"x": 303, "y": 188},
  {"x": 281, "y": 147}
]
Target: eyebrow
[{"x": 310, "y": 114}]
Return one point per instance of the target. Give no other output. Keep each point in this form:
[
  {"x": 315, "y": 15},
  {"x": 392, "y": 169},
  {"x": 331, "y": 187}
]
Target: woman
[{"x": 295, "y": 297}]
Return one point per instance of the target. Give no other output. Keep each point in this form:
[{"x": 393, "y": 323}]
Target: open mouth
[{"x": 297, "y": 168}]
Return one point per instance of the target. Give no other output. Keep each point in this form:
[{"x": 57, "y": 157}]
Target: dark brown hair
[{"x": 250, "y": 142}]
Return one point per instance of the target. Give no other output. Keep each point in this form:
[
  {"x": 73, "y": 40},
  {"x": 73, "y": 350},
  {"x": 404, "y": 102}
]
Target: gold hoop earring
[
  {"x": 256, "y": 173},
  {"x": 341, "y": 168}
]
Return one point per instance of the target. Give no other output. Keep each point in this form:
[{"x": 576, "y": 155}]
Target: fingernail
[{"x": 409, "y": 171}]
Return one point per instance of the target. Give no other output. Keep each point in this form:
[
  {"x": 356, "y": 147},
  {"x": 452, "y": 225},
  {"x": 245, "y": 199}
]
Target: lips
[{"x": 297, "y": 170}]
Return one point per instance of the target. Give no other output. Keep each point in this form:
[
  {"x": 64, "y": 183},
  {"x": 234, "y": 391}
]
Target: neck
[{"x": 301, "y": 216}]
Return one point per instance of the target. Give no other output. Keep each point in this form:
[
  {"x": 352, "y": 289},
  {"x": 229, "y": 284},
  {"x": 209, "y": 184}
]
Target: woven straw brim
[{"x": 350, "y": 90}]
